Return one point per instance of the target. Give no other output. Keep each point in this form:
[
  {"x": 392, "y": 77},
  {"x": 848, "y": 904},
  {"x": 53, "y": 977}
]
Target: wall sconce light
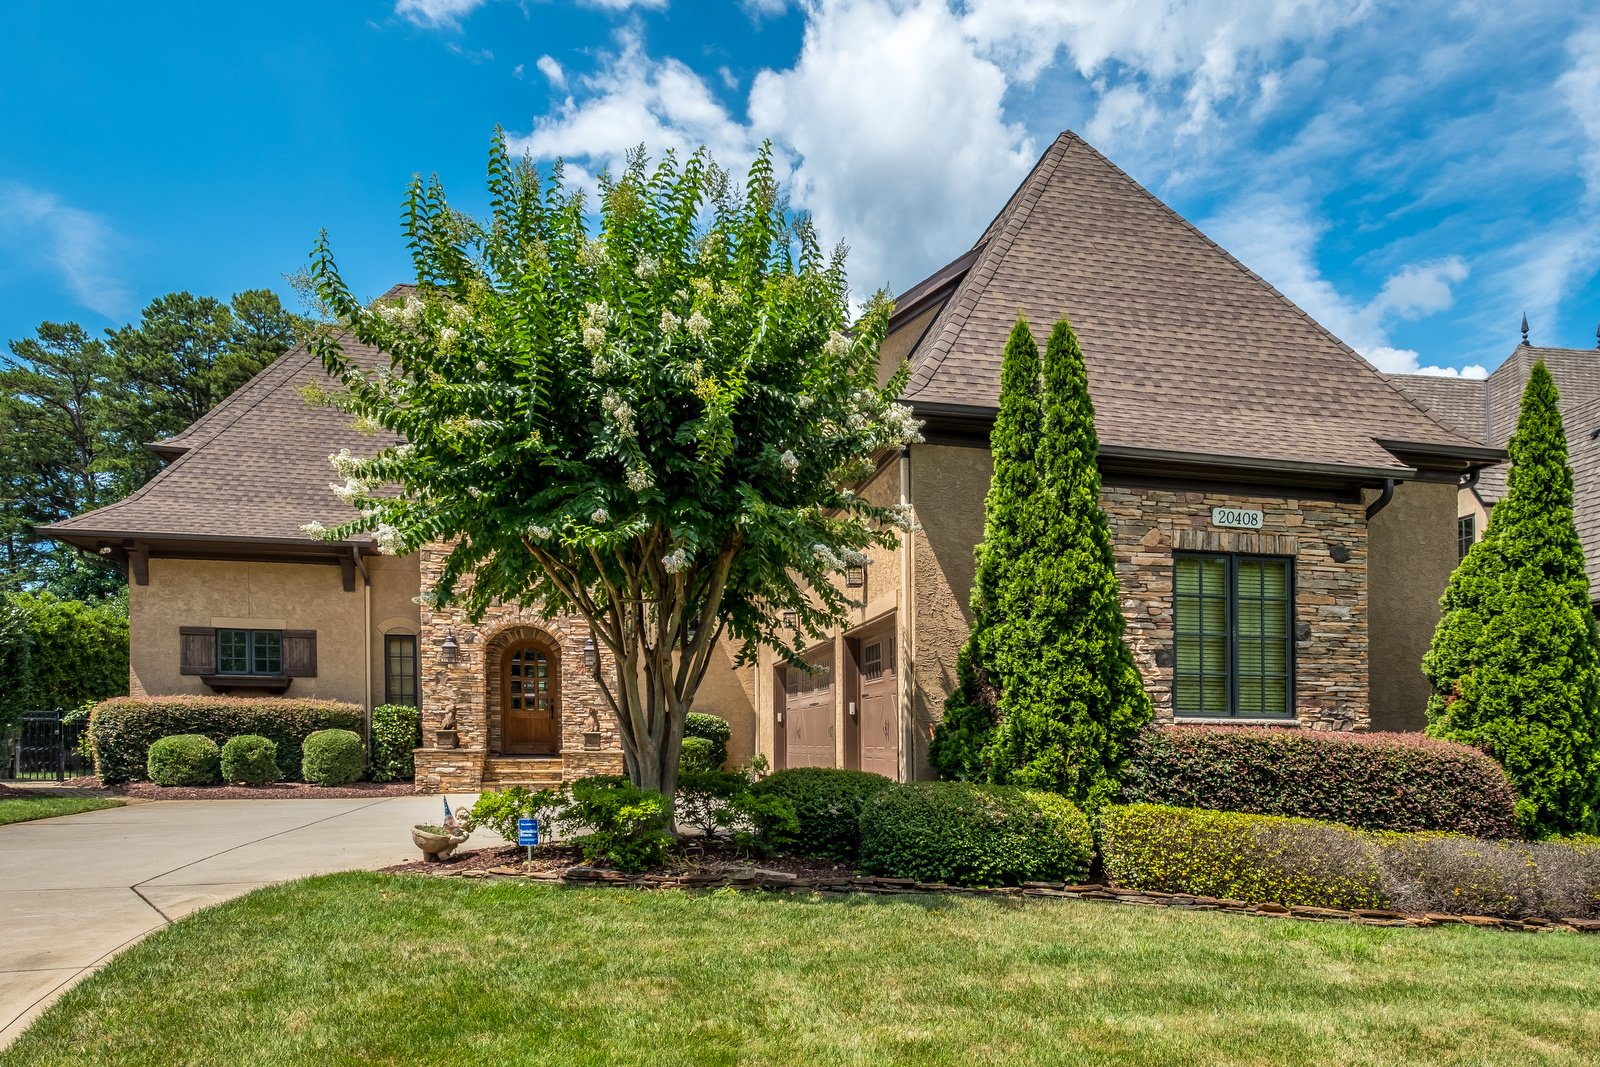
[
  {"x": 449, "y": 651},
  {"x": 855, "y": 575},
  {"x": 591, "y": 654},
  {"x": 789, "y": 617}
]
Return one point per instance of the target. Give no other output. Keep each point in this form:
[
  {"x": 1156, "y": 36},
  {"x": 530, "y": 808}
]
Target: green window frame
[
  {"x": 400, "y": 669},
  {"x": 254, "y": 652},
  {"x": 1233, "y": 636}
]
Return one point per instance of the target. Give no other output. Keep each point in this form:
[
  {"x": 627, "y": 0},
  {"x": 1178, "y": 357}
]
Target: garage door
[
  {"x": 880, "y": 733},
  {"x": 809, "y": 713}
]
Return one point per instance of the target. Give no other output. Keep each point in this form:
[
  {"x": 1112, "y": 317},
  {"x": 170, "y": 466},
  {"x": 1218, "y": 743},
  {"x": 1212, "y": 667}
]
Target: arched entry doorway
[{"x": 530, "y": 699}]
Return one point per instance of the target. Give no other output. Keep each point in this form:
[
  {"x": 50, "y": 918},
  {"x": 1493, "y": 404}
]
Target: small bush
[
  {"x": 722, "y": 803},
  {"x": 184, "y": 759},
  {"x": 249, "y": 759},
  {"x": 827, "y": 806},
  {"x": 500, "y": 810},
  {"x": 1506, "y": 879},
  {"x": 122, "y": 729},
  {"x": 333, "y": 757},
  {"x": 396, "y": 732},
  {"x": 697, "y": 755},
  {"x": 623, "y": 826},
  {"x": 712, "y": 728},
  {"x": 968, "y": 834},
  {"x": 1255, "y": 858},
  {"x": 1378, "y": 781}
]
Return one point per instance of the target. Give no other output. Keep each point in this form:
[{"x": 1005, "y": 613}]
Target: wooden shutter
[
  {"x": 300, "y": 653},
  {"x": 197, "y": 650}
]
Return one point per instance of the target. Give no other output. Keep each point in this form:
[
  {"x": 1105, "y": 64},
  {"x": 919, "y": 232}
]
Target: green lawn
[
  {"x": 24, "y": 809},
  {"x": 373, "y": 969}
]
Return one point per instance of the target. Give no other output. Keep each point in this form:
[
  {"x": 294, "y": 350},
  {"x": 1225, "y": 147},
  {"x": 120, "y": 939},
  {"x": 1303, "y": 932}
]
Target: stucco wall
[
  {"x": 1413, "y": 552},
  {"x": 287, "y": 596}
]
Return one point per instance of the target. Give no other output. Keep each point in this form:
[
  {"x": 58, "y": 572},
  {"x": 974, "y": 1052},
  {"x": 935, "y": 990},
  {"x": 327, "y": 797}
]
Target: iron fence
[{"x": 46, "y": 747}]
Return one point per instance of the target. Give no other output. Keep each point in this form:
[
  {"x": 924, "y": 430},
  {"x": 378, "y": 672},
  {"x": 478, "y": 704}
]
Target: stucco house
[{"x": 1284, "y": 516}]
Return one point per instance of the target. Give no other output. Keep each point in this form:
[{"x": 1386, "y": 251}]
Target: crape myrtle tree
[
  {"x": 1514, "y": 664},
  {"x": 650, "y": 416},
  {"x": 1050, "y": 694}
]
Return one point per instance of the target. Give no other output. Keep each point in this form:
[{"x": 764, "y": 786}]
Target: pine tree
[
  {"x": 1515, "y": 661},
  {"x": 962, "y": 737},
  {"x": 1073, "y": 701}
]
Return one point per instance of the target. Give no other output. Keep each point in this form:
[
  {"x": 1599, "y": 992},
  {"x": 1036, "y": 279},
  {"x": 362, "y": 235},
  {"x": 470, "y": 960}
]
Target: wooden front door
[
  {"x": 880, "y": 723},
  {"x": 808, "y": 712},
  {"x": 530, "y": 701}
]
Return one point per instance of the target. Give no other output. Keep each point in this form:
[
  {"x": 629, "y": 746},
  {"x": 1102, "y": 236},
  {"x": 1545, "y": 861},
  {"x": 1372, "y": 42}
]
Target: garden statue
[{"x": 437, "y": 842}]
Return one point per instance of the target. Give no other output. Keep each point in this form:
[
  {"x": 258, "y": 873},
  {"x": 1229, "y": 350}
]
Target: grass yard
[
  {"x": 375, "y": 969},
  {"x": 26, "y": 809}
]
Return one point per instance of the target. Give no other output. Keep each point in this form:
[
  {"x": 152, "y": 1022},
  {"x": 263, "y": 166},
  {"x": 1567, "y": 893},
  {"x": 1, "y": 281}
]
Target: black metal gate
[{"x": 47, "y": 747}]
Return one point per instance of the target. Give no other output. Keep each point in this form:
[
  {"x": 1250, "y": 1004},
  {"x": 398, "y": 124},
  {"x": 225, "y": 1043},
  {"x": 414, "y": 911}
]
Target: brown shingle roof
[{"x": 1188, "y": 351}]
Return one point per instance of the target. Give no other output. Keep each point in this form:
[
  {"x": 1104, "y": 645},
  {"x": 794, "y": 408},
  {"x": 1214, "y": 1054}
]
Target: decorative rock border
[{"x": 756, "y": 878}]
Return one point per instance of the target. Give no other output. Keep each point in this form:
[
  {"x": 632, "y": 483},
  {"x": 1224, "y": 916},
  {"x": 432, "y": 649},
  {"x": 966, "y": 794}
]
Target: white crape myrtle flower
[
  {"x": 346, "y": 464},
  {"x": 677, "y": 560},
  {"x": 350, "y": 489},
  {"x": 697, "y": 325},
  {"x": 315, "y": 530},
  {"x": 903, "y": 517},
  {"x": 540, "y": 533},
  {"x": 836, "y": 345},
  {"x": 639, "y": 478},
  {"x": 669, "y": 322},
  {"x": 594, "y": 338},
  {"x": 825, "y": 554},
  {"x": 481, "y": 367},
  {"x": 855, "y": 557},
  {"x": 593, "y": 255},
  {"x": 387, "y": 538},
  {"x": 448, "y": 338},
  {"x": 901, "y": 426},
  {"x": 389, "y": 312},
  {"x": 600, "y": 364},
  {"x": 458, "y": 314},
  {"x": 411, "y": 313},
  {"x": 621, "y": 413},
  {"x": 366, "y": 424},
  {"x": 790, "y": 461},
  {"x": 647, "y": 267},
  {"x": 599, "y": 516}
]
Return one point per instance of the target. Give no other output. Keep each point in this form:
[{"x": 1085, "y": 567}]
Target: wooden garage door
[
  {"x": 880, "y": 732},
  {"x": 809, "y": 713}
]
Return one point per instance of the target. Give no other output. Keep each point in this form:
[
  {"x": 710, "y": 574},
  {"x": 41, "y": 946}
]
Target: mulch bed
[
  {"x": 276, "y": 791},
  {"x": 715, "y": 868}
]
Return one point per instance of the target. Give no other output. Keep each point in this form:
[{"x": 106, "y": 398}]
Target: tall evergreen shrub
[
  {"x": 1515, "y": 661},
  {"x": 1067, "y": 701}
]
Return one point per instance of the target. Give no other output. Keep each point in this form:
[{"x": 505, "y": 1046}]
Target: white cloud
[
  {"x": 552, "y": 72},
  {"x": 436, "y": 14},
  {"x": 1472, "y": 370},
  {"x": 75, "y": 242},
  {"x": 625, "y": 5}
]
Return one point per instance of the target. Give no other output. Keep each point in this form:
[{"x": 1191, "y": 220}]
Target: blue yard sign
[{"x": 528, "y": 832}]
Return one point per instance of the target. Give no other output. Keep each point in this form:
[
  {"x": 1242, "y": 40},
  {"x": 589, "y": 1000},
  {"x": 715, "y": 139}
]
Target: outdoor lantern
[
  {"x": 591, "y": 655},
  {"x": 789, "y": 617},
  {"x": 449, "y": 651},
  {"x": 855, "y": 575}
]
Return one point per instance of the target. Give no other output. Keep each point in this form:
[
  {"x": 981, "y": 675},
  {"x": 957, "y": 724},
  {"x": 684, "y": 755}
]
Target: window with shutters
[
  {"x": 1233, "y": 627},
  {"x": 400, "y": 669}
]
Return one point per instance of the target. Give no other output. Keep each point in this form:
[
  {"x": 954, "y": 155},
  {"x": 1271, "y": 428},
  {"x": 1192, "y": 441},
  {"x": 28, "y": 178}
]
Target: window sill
[
  {"x": 276, "y": 683},
  {"x": 1233, "y": 720}
]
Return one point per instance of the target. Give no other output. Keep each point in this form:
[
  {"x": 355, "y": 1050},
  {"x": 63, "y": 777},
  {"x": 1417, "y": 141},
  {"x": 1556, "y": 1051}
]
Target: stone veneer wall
[{"x": 1328, "y": 540}]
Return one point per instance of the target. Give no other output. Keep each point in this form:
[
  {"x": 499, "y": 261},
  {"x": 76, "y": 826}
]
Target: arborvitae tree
[
  {"x": 1515, "y": 662},
  {"x": 1050, "y": 695},
  {"x": 961, "y": 738}
]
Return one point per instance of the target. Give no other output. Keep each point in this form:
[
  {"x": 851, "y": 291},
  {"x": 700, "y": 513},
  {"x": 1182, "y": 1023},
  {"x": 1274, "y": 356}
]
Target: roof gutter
[{"x": 1383, "y": 499}]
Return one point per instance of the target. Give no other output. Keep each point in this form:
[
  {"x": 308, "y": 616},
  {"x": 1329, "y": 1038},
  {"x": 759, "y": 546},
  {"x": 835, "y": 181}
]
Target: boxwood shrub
[
  {"x": 122, "y": 729},
  {"x": 712, "y": 728},
  {"x": 827, "y": 806},
  {"x": 967, "y": 834},
  {"x": 396, "y": 732},
  {"x": 249, "y": 759},
  {"x": 334, "y": 757},
  {"x": 184, "y": 759},
  {"x": 1372, "y": 781}
]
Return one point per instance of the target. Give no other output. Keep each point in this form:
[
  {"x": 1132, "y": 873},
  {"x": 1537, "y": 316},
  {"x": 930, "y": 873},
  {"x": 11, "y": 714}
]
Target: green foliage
[
  {"x": 60, "y": 653},
  {"x": 122, "y": 729},
  {"x": 698, "y": 754},
  {"x": 1372, "y": 781},
  {"x": 827, "y": 806},
  {"x": 500, "y": 810},
  {"x": 333, "y": 757},
  {"x": 249, "y": 759},
  {"x": 663, "y": 402},
  {"x": 396, "y": 732},
  {"x": 722, "y": 804},
  {"x": 712, "y": 728},
  {"x": 184, "y": 759},
  {"x": 1515, "y": 660},
  {"x": 620, "y": 825},
  {"x": 1049, "y": 696},
  {"x": 967, "y": 834}
]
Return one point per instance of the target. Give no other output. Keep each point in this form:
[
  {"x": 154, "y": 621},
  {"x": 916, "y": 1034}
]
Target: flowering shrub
[{"x": 1373, "y": 781}]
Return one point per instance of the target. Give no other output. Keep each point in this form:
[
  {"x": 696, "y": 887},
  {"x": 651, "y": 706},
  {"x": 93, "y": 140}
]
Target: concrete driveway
[{"x": 76, "y": 890}]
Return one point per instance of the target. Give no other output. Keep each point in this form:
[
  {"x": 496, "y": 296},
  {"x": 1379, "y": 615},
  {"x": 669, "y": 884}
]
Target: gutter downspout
[
  {"x": 366, "y": 637},
  {"x": 1383, "y": 499},
  {"x": 907, "y": 627}
]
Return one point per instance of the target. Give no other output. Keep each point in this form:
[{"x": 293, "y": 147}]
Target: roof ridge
[
  {"x": 1395, "y": 390},
  {"x": 995, "y": 248}
]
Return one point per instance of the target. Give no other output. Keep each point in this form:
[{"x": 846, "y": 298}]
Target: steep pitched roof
[
  {"x": 252, "y": 470},
  {"x": 1189, "y": 352}
]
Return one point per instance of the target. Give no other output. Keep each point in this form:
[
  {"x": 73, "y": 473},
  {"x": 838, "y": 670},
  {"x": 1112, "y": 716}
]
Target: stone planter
[
  {"x": 436, "y": 846},
  {"x": 445, "y": 739}
]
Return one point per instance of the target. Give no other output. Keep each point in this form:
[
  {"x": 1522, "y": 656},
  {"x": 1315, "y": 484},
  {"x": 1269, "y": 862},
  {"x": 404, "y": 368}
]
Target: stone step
[{"x": 533, "y": 773}]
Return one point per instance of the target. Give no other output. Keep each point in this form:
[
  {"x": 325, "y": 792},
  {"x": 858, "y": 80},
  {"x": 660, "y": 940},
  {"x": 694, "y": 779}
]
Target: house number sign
[{"x": 1236, "y": 518}]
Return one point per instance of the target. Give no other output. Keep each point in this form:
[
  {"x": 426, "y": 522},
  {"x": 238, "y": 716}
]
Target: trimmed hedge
[
  {"x": 698, "y": 755},
  {"x": 1256, "y": 858},
  {"x": 334, "y": 757},
  {"x": 1372, "y": 781},
  {"x": 713, "y": 728},
  {"x": 967, "y": 834},
  {"x": 1262, "y": 858},
  {"x": 122, "y": 729},
  {"x": 249, "y": 759},
  {"x": 827, "y": 803},
  {"x": 184, "y": 759},
  {"x": 396, "y": 733}
]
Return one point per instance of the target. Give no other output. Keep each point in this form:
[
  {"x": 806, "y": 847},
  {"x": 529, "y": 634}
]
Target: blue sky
[{"x": 1415, "y": 175}]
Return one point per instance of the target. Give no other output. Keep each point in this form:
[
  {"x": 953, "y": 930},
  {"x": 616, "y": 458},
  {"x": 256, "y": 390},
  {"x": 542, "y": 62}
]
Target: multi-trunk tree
[
  {"x": 1049, "y": 694},
  {"x": 1515, "y": 661},
  {"x": 650, "y": 417}
]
